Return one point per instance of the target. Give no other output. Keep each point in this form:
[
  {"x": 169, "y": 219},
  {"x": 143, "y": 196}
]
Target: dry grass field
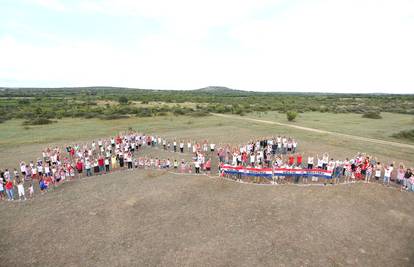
[{"x": 156, "y": 218}]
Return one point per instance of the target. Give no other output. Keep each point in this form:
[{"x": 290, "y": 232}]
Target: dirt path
[{"x": 377, "y": 141}]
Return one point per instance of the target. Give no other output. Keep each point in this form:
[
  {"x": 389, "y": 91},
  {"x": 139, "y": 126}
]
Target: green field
[
  {"x": 18, "y": 143},
  {"x": 349, "y": 123}
]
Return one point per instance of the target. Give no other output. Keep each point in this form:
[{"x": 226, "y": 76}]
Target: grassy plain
[
  {"x": 18, "y": 143},
  {"x": 349, "y": 123}
]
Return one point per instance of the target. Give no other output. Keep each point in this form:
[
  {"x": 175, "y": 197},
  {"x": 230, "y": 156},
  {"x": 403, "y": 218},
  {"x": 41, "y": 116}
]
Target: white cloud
[
  {"x": 51, "y": 4},
  {"x": 344, "y": 46}
]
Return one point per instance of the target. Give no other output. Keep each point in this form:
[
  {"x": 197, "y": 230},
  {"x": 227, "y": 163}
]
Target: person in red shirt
[
  {"x": 101, "y": 164},
  {"x": 79, "y": 167},
  {"x": 9, "y": 190},
  {"x": 207, "y": 166},
  {"x": 291, "y": 160},
  {"x": 299, "y": 160},
  {"x": 118, "y": 140},
  {"x": 244, "y": 158}
]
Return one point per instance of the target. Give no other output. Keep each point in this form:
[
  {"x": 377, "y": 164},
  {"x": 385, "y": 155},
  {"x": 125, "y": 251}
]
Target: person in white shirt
[
  {"x": 310, "y": 162},
  {"x": 197, "y": 166},
  {"x": 387, "y": 173}
]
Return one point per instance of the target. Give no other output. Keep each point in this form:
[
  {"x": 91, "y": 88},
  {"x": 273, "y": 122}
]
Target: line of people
[{"x": 103, "y": 156}]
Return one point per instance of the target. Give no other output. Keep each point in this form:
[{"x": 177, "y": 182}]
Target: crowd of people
[
  {"x": 281, "y": 152},
  {"x": 102, "y": 156}
]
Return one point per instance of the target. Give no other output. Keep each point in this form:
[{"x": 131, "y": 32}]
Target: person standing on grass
[
  {"x": 320, "y": 162},
  {"x": 121, "y": 159},
  {"x": 378, "y": 169},
  {"x": 129, "y": 160},
  {"x": 299, "y": 160},
  {"x": 1, "y": 189},
  {"x": 330, "y": 167},
  {"x": 95, "y": 167},
  {"x": 101, "y": 164},
  {"x": 310, "y": 162},
  {"x": 400, "y": 175},
  {"x": 338, "y": 171},
  {"x": 20, "y": 188},
  {"x": 291, "y": 160},
  {"x": 23, "y": 169},
  {"x": 387, "y": 173},
  {"x": 182, "y": 146},
  {"x": 88, "y": 168},
  {"x": 348, "y": 171},
  {"x": 407, "y": 176},
  {"x": 31, "y": 190},
  {"x": 79, "y": 167},
  {"x": 9, "y": 189},
  {"x": 212, "y": 147},
  {"x": 368, "y": 172},
  {"x": 107, "y": 164},
  {"x": 207, "y": 166},
  {"x": 197, "y": 166},
  {"x": 113, "y": 161}
]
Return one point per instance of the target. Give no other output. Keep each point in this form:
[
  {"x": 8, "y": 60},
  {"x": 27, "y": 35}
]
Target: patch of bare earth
[{"x": 156, "y": 218}]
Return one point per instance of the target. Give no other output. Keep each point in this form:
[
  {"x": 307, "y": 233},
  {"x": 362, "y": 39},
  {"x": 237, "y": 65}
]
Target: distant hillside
[{"x": 218, "y": 89}]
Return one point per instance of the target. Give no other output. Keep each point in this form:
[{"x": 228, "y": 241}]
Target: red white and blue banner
[{"x": 269, "y": 172}]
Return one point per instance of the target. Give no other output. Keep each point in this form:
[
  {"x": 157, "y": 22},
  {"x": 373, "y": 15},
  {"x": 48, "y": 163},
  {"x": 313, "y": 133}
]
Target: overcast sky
[{"x": 262, "y": 45}]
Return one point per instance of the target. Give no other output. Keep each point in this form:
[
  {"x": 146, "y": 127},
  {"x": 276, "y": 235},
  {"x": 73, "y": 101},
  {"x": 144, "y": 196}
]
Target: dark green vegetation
[
  {"x": 291, "y": 115},
  {"x": 409, "y": 135},
  {"x": 372, "y": 115},
  {"x": 114, "y": 103}
]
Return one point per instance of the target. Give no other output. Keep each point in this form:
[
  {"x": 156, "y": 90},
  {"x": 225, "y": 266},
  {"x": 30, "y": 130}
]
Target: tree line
[{"x": 56, "y": 103}]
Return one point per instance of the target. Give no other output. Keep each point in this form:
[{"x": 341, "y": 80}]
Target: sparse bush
[
  {"x": 90, "y": 115},
  {"x": 408, "y": 134},
  {"x": 113, "y": 117},
  {"x": 123, "y": 100},
  {"x": 144, "y": 112},
  {"x": 38, "y": 121},
  {"x": 199, "y": 113},
  {"x": 372, "y": 115},
  {"x": 291, "y": 115}
]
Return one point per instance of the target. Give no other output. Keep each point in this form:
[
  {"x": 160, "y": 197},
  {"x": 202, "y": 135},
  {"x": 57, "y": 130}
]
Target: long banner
[{"x": 269, "y": 172}]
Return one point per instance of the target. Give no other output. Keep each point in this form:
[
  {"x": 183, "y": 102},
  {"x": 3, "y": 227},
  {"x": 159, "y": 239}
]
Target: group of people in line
[
  {"x": 116, "y": 153},
  {"x": 277, "y": 153},
  {"x": 101, "y": 157}
]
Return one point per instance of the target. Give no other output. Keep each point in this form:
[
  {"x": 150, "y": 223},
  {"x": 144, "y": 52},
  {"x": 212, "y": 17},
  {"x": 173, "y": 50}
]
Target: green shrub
[
  {"x": 144, "y": 112},
  {"x": 372, "y": 115},
  {"x": 408, "y": 134},
  {"x": 38, "y": 121},
  {"x": 90, "y": 115},
  {"x": 123, "y": 100},
  {"x": 200, "y": 113},
  {"x": 291, "y": 115},
  {"x": 113, "y": 117}
]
